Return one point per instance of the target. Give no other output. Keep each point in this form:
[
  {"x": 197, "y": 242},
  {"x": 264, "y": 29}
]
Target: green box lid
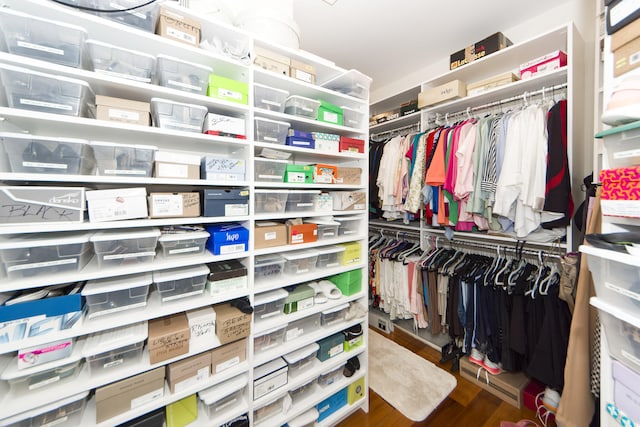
[
  {"x": 618, "y": 129},
  {"x": 299, "y": 293},
  {"x": 331, "y": 107}
]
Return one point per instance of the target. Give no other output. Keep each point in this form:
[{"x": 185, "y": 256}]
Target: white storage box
[
  {"x": 268, "y": 304},
  {"x": 117, "y": 204},
  {"x": 114, "y": 348},
  {"x": 323, "y": 202},
  {"x": 327, "y": 228},
  {"x": 272, "y": 131},
  {"x": 41, "y": 154},
  {"x": 30, "y": 256},
  {"x": 305, "y": 390},
  {"x": 268, "y": 377},
  {"x": 113, "y": 159},
  {"x": 622, "y": 145},
  {"x": 177, "y": 116},
  {"x": 46, "y": 93},
  {"x": 269, "y": 339},
  {"x": 334, "y": 315},
  {"x": 301, "y": 106},
  {"x": 352, "y": 118},
  {"x": 62, "y": 413},
  {"x": 268, "y": 267},
  {"x": 622, "y": 331},
  {"x": 180, "y": 282},
  {"x": 222, "y": 396},
  {"x": 142, "y": 17},
  {"x": 176, "y": 241},
  {"x": 120, "y": 62},
  {"x": 182, "y": 75},
  {"x": 269, "y": 170},
  {"x": 24, "y": 381},
  {"x": 51, "y": 41},
  {"x": 271, "y": 201},
  {"x": 331, "y": 376},
  {"x": 326, "y": 142},
  {"x": 352, "y": 83},
  {"x": 269, "y": 98},
  {"x": 222, "y": 125},
  {"x": 330, "y": 256},
  {"x": 114, "y": 294},
  {"x": 202, "y": 325},
  {"x": 626, "y": 384},
  {"x": 125, "y": 247},
  {"x": 219, "y": 168},
  {"x": 349, "y": 225},
  {"x": 301, "y": 200},
  {"x": 616, "y": 277},
  {"x": 25, "y": 204},
  {"x": 300, "y": 262},
  {"x": 303, "y": 326},
  {"x": 301, "y": 359}
]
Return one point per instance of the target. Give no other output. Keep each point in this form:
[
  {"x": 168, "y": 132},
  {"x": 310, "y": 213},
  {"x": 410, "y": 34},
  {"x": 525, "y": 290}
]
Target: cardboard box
[
  {"x": 349, "y": 200},
  {"x": 626, "y": 57},
  {"x": 175, "y": 26},
  {"x": 302, "y": 233},
  {"x": 176, "y": 165},
  {"x": 182, "y": 412},
  {"x": 302, "y": 71},
  {"x": 507, "y": 386},
  {"x": 226, "y": 276},
  {"x": 451, "y": 90},
  {"x": 123, "y": 396},
  {"x": 228, "y": 356},
  {"x": 221, "y": 125},
  {"x": 117, "y": 204},
  {"x": 123, "y": 110},
  {"x": 269, "y": 377},
  {"x": 174, "y": 205},
  {"x": 268, "y": 234},
  {"x": 168, "y": 337},
  {"x": 544, "y": 64},
  {"x": 202, "y": 328},
  {"x": 33, "y": 205},
  {"x": 349, "y": 176},
  {"x": 231, "y": 323},
  {"x": 491, "y": 82},
  {"x": 622, "y": 36},
  {"x": 189, "y": 372},
  {"x": 271, "y": 61},
  {"x": 409, "y": 107},
  {"x": 487, "y": 46},
  {"x": 227, "y": 238}
]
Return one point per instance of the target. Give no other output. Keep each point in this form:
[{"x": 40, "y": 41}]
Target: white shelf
[
  {"x": 224, "y": 417},
  {"x": 119, "y": 180},
  {"x": 292, "y": 186},
  {"x": 298, "y": 150},
  {"x": 322, "y": 242},
  {"x": 260, "y": 287},
  {"x": 154, "y": 309},
  {"x": 409, "y": 119},
  {"x": 285, "y": 215},
  {"x": 621, "y": 257}
]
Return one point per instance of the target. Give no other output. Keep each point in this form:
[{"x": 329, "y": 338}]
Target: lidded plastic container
[
  {"x": 330, "y": 256},
  {"x": 300, "y": 262},
  {"x": 183, "y": 282},
  {"x": 269, "y": 170},
  {"x": 62, "y": 413},
  {"x": 114, "y": 348},
  {"x": 268, "y": 267},
  {"x": 114, "y": 294},
  {"x": 272, "y": 131},
  {"x": 222, "y": 396},
  {"x": 268, "y": 304},
  {"x": 120, "y": 247},
  {"x": 185, "y": 240},
  {"x": 177, "y": 74},
  {"x": 271, "y": 201},
  {"x": 24, "y": 381},
  {"x": 168, "y": 114},
  {"x": 114, "y": 159},
  {"x": 302, "y": 107},
  {"x": 269, "y": 98},
  {"x": 301, "y": 359},
  {"x": 117, "y": 61}
]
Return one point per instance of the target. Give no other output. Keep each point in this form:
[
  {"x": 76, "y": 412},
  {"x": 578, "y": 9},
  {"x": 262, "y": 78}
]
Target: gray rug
[{"x": 409, "y": 383}]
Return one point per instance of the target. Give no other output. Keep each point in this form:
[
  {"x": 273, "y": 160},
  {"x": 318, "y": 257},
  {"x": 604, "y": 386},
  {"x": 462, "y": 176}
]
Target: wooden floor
[{"x": 467, "y": 406}]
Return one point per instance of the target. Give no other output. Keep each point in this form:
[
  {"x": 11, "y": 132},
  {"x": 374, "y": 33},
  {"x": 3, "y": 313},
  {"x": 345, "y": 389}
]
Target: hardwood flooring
[{"x": 467, "y": 406}]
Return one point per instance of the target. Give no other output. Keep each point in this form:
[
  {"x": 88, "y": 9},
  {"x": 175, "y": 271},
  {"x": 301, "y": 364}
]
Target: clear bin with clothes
[
  {"x": 115, "y": 294},
  {"x": 177, "y": 74},
  {"x": 115, "y": 348},
  {"x": 117, "y": 61},
  {"x": 182, "y": 282},
  {"x": 269, "y": 170},
  {"x": 271, "y": 201},
  {"x": 115, "y": 159},
  {"x": 125, "y": 247},
  {"x": 300, "y": 262},
  {"x": 268, "y": 267},
  {"x": 301, "y": 200},
  {"x": 329, "y": 256}
]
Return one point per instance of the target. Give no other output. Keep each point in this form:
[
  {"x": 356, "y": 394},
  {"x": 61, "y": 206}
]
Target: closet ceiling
[{"x": 387, "y": 40}]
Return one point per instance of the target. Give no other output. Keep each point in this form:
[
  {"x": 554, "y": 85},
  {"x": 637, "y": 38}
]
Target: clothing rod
[
  {"x": 398, "y": 232},
  {"x": 493, "y": 247},
  {"x": 400, "y": 129},
  {"x": 522, "y": 96}
]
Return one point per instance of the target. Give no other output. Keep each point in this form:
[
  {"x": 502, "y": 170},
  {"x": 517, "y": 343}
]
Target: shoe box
[{"x": 508, "y": 386}]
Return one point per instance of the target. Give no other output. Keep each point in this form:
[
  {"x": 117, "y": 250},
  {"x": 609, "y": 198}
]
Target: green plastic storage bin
[
  {"x": 330, "y": 113},
  {"x": 298, "y": 174},
  {"x": 349, "y": 282},
  {"x": 228, "y": 89}
]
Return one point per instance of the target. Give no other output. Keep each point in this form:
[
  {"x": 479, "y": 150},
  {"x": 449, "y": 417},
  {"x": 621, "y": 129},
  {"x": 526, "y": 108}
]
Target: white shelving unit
[{"x": 43, "y": 124}]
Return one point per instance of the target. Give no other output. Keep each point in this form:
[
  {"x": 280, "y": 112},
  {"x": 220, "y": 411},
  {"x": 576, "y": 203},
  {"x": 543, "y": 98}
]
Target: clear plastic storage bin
[
  {"x": 331, "y": 376},
  {"x": 272, "y": 131},
  {"x": 269, "y": 98},
  {"x": 176, "y": 241},
  {"x": 115, "y": 348},
  {"x": 114, "y": 294},
  {"x": 300, "y": 262},
  {"x": 269, "y": 170},
  {"x": 622, "y": 332},
  {"x": 622, "y": 145},
  {"x": 329, "y": 256},
  {"x": 46, "y": 93},
  {"x": 62, "y": 413},
  {"x": 120, "y": 62},
  {"x": 271, "y": 201},
  {"x": 41, "y": 154},
  {"x": 30, "y": 256},
  {"x": 182, "y": 75},
  {"x": 268, "y": 410},
  {"x": 301, "y": 201},
  {"x": 177, "y": 116},
  {"x": 301, "y": 106},
  {"x": 327, "y": 228},
  {"x": 142, "y": 17},
  {"x": 113, "y": 159},
  {"x": 303, "y": 326},
  {"x": 51, "y": 41},
  {"x": 125, "y": 247},
  {"x": 349, "y": 225},
  {"x": 223, "y": 396},
  {"x": 301, "y": 359},
  {"x": 268, "y": 304},
  {"x": 305, "y": 390},
  {"x": 351, "y": 82},
  {"x": 352, "y": 118},
  {"x": 334, "y": 315},
  {"x": 181, "y": 282},
  {"x": 269, "y": 339},
  {"x": 49, "y": 374},
  {"x": 268, "y": 267}
]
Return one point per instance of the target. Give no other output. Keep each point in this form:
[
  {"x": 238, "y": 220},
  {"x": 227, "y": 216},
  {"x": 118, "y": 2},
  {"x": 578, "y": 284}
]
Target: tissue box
[
  {"x": 117, "y": 204},
  {"x": 231, "y": 323},
  {"x": 174, "y": 205},
  {"x": 218, "y": 124},
  {"x": 227, "y": 238}
]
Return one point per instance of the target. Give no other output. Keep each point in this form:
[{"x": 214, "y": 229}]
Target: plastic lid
[
  {"x": 222, "y": 390},
  {"x": 618, "y": 129},
  {"x": 269, "y": 259},
  {"x": 262, "y": 119},
  {"x": 183, "y": 235},
  {"x": 117, "y": 144},
  {"x": 180, "y": 273},
  {"x": 263, "y": 159},
  {"x": 262, "y": 191},
  {"x": 111, "y": 46},
  {"x": 302, "y": 98},
  {"x": 118, "y": 283},
  {"x": 111, "y": 339},
  {"x": 347, "y": 218},
  {"x": 49, "y": 239},
  {"x": 12, "y": 372},
  {"x": 192, "y": 64},
  {"x": 42, "y": 138},
  {"x": 304, "y": 191},
  {"x": 168, "y": 101},
  {"x": 108, "y": 235},
  {"x": 28, "y": 71},
  {"x": 355, "y": 110},
  {"x": 305, "y": 253},
  {"x": 296, "y": 356},
  {"x": 264, "y": 369},
  {"x": 43, "y": 409},
  {"x": 273, "y": 89},
  {"x": 334, "y": 309},
  {"x": 271, "y": 296},
  {"x": 615, "y": 311},
  {"x": 321, "y": 221},
  {"x": 304, "y": 419},
  {"x": 272, "y": 330},
  {"x": 330, "y": 249},
  {"x": 5, "y": 10},
  {"x": 173, "y": 157},
  {"x": 116, "y": 192}
]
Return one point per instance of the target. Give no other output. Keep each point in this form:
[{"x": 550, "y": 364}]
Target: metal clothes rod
[
  {"x": 492, "y": 247},
  {"x": 398, "y": 233},
  {"x": 398, "y": 131}
]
